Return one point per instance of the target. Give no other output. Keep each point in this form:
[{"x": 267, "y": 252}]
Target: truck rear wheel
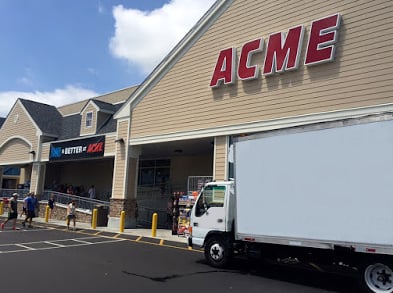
[
  {"x": 378, "y": 278},
  {"x": 217, "y": 252}
]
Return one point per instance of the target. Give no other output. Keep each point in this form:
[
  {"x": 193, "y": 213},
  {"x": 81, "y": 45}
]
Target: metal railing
[
  {"x": 145, "y": 215},
  {"x": 145, "y": 209},
  {"x": 81, "y": 202},
  {"x": 7, "y": 193},
  {"x": 61, "y": 198}
]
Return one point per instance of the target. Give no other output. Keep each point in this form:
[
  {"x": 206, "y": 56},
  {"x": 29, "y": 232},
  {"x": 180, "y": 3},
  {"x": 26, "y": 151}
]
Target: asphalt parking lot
[
  {"x": 51, "y": 236},
  {"x": 48, "y": 257}
]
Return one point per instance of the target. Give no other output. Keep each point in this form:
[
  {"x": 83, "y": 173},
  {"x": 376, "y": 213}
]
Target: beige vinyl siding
[
  {"x": 14, "y": 151},
  {"x": 220, "y": 158},
  {"x": 110, "y": 145},
  {"x": 361, "y": 75},
  {"x": 13, "y": 148},
  {"x": 70, "y": 109},
  {"x": 118, "y": 189},
  {"x": 89, "y": 130},
  {"x": 117, "y": 96},
  {"x": 34, "y": 176},
  {"x": 45, "y": 150}
]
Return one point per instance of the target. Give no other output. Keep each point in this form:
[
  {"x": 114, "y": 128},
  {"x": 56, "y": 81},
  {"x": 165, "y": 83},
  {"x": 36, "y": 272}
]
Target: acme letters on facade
[{"x": 282, "y": 52}]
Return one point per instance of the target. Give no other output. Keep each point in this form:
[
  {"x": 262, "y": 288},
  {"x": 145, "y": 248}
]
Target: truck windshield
[{"x": 211, "y": 196}]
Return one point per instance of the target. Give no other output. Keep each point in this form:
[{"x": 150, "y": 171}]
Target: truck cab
[{"x": 212, "y": 220}]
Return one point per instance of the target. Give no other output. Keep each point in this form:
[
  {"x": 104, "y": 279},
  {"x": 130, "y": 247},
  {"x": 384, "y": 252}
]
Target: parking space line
[
  {"x": 55, "y": 244},
  {"x": 81, "y": 241},
  {"x": 114, "y": 237},
  {"x": 24, "y": 246}
]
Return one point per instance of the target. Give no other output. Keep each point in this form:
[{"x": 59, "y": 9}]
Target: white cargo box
[{"x": 333, "y": 184}]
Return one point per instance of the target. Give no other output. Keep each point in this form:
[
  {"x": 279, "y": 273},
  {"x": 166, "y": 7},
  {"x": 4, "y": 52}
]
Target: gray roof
[
  {"x": 1, "y": 121},
  {"x": 70, "y": 127},
  {"x": 105, "y": 106},
  {"x": 111, "y": 124},
  {"x": 47, "y": 117},
  {"x": 51, "y": 122}
]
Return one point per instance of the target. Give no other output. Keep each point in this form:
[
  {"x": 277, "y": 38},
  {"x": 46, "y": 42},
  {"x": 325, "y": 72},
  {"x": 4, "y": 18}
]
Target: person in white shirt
[
  {"x": 71, "y": 214},
  {"x": 92, "y": 192}
]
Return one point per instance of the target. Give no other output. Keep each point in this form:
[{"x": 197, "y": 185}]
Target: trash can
[{"x": 102, "y": 215}]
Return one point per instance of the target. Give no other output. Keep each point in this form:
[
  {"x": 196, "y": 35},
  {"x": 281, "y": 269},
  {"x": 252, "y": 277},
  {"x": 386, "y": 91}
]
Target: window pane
[
  {"x": 147, "y": 163},
  {"x": 89, "y": 119},
  {"x": 163, "y": 163},
  {"x": 146, "y": 177}
]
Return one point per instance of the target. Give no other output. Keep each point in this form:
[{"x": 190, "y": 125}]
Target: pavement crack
[{"x": 170, "y": 277}]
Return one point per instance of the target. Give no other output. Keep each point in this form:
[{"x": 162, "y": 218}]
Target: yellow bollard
[
  {"x": 47, "y": 214},
  {"x": 1, "y": 208},
  {"x": 94, "y": 219},
  {"x": 154, "y": 225},
  {"x": 122, "y": 220}
]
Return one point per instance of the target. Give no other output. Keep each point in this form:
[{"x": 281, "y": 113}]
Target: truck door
[{"x": 208, "y": 213}]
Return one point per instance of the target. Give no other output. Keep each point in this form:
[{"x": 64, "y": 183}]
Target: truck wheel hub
[
  {"x": 379, "y": 278},
  {"x": 216, "y": 251}
]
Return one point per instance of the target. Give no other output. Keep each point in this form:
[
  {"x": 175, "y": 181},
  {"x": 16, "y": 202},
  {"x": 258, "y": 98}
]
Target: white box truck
[{"x": 320, "y": 194}]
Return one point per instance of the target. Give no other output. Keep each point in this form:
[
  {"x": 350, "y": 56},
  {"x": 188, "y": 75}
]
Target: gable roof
[
  {"x": 114, "y": 98},
  {"x": 2, "y": 120},
  {"x": 101, "y": 106},
  {"x": 47, "y": 118},
  {"x": 207, "y": 20}
]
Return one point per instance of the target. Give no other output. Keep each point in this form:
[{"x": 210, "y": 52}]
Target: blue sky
[{"x": 61, "y": 51}]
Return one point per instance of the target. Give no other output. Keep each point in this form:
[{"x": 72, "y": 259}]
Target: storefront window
[
  {"x": 153, "y": 173},
  {"x": 11, "y": 171}
]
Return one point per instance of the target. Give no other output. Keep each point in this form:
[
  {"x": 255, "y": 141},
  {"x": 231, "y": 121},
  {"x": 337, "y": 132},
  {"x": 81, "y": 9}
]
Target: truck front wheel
[
  {"x": 217, "y": 252},
  {"x": 378, "y": 278}
]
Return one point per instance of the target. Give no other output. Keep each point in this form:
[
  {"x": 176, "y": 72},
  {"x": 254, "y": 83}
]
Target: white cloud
[
  {"x": 144, "y": 38},
  {"x": 59, "y": 97}
]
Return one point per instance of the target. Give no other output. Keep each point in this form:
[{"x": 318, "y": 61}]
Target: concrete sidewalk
[{"x": 160, "y": 233}]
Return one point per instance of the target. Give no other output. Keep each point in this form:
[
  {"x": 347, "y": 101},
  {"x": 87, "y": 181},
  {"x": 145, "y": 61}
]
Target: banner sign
[{"x": 78, "y": 149}]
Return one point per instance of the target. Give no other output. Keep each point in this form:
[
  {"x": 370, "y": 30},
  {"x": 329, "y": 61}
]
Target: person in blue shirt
[{"x": 31, "y": 204}]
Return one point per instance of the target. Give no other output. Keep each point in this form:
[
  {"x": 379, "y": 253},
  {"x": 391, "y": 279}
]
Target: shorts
[
  {"x": 30, "y": 214},
  {"x": 12, "y": 215},
  {"x": 71, "y": 217}
]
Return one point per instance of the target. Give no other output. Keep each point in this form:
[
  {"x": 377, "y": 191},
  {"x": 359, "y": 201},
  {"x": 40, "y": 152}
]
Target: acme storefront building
[{"x": 245, "y": 67}]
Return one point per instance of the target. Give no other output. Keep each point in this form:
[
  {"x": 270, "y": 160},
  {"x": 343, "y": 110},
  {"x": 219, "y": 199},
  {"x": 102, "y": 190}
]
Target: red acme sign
[
  {"x": 95, "y": 147},
  {"x": 282, "y": 52}
]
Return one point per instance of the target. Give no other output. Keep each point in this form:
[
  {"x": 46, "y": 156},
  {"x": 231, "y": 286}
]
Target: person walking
[
  {"x": 51, "y": 204},
  {"x": 31, "y": 204},
  {"x": 24, "y": 208},
  {"x": 71, "y": 214},
  {"x": 12, "y": 212}
]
